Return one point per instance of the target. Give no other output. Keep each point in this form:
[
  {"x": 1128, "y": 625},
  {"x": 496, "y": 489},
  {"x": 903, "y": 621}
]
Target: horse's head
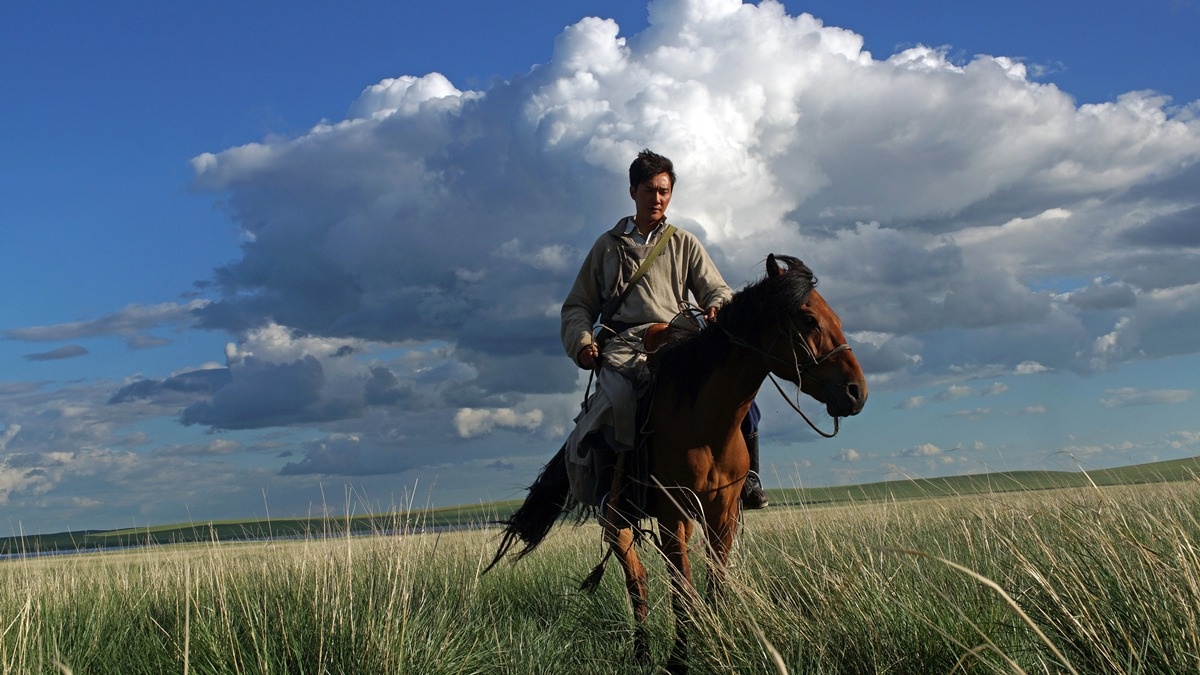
[{"x": 810, "y": 348}]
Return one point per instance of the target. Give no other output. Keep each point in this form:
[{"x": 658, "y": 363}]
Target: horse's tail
[{"x": 548, "y": 498}]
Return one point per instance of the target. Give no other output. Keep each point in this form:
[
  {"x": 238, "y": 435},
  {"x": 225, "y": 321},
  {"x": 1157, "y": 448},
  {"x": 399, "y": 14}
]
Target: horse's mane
[{"x": 689, "y": 362}]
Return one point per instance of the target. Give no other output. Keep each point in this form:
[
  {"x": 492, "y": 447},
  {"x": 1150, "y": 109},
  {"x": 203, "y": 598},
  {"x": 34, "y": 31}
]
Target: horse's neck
[
  {"x": 728, "y": 392},
  {"x": 736, "y": 382}
]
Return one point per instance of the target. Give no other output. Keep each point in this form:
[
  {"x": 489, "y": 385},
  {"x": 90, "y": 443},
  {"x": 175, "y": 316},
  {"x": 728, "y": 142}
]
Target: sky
[{"x": 284, "y": 259}]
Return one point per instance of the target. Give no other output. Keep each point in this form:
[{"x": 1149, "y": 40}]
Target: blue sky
[{"x": 255, "y": 252}]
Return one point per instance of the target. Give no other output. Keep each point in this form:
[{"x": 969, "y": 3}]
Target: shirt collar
[{"x": 630, "y": 227}]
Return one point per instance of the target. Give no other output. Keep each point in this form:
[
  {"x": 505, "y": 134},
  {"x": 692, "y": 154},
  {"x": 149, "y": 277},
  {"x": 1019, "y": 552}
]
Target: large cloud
[{"x": 963, "y": 218}]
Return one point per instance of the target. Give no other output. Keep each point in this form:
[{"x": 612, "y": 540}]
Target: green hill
[
  {"x": 483, "y": 514},
  {"x": 1007, "y": 481}
]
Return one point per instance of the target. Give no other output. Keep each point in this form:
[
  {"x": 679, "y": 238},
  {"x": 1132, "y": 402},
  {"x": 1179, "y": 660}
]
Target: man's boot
[{"x": 753, "y": 496}]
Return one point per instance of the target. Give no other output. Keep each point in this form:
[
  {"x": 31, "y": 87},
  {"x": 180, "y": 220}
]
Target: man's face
[{"x": 651, "y": 198}]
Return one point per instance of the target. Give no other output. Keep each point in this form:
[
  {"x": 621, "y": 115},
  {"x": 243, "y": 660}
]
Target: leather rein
[{"x": 794, "y": 335}]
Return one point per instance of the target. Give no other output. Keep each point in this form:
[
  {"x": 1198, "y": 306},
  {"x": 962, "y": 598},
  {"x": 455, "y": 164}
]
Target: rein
[
  {"x": 796, "y": 407},
  {"x": 794, "y": 335},
  {"x": 813, "y": 362}
]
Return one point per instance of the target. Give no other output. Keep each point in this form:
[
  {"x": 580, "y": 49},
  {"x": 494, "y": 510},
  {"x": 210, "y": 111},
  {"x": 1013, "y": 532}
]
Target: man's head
[
  {"x": 651, "y": 182},
  {"x": 648, "y": 165}
]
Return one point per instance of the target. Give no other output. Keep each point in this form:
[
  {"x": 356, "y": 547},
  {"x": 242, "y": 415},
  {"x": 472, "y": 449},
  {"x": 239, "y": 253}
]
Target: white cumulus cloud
[
  {"x": 922, "y": 450},
  {"x": 476, "y": 422}
]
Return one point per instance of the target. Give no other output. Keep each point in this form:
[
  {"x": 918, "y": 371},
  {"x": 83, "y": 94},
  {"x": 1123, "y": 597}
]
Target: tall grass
[{"x": 1091, "y": 580}]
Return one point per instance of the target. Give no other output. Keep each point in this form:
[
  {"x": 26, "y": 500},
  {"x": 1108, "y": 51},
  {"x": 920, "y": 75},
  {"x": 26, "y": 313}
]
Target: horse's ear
[{"x": 772, "y": 266}]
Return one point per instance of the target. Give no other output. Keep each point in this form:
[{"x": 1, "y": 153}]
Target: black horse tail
[{"x": 548, "y": 498}]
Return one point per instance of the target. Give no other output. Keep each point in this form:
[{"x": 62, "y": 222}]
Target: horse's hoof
[{"x": 641, "y": 655}]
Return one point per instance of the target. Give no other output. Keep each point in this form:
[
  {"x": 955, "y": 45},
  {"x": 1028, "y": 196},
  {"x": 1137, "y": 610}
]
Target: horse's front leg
[
  {"x": 683, "y": 593},
  {"x": 618, "y": 534},
  {"x": 721, "y": 530}
]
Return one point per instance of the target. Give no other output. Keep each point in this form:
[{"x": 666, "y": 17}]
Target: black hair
[{"x": 648, "y": 165}]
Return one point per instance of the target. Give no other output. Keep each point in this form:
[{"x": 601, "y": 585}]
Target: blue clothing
[{"x": 750, "y": 423}]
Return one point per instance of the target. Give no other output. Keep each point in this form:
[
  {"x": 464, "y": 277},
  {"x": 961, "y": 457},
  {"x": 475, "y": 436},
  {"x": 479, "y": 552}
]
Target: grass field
[{"x": 1086, "y": 579}]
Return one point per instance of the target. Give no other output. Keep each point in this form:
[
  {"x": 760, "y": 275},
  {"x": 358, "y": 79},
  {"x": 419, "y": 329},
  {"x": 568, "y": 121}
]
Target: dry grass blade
[
  {"x": 776, "y": 657},
  {"x": 999, "y": 591}
]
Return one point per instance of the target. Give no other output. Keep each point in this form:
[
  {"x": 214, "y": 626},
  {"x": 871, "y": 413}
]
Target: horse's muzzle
[{"x": 847, "y": 401}]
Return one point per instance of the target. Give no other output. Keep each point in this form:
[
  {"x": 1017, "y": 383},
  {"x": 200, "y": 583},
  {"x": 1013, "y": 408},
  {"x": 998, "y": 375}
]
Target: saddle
[
  {"x": 657, "y": 336},
  {"x": 595, "y": 460},
  {"x": 632, "y": 470}
]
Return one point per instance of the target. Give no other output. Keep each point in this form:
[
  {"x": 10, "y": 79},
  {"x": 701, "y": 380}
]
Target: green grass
[{"x": 1089, "y": 580}]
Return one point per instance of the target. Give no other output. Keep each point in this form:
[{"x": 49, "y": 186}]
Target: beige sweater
[{"x": 682, "y": 267}]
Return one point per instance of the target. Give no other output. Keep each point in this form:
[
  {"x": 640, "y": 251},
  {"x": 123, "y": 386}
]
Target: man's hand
[
  {"x": 587, "y": 357},
  {"x": 710, "y": 314}
]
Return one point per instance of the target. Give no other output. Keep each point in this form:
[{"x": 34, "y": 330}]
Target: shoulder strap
[
  {"x": 614, "y": 302},
  {"x": 654, "y": 252}
]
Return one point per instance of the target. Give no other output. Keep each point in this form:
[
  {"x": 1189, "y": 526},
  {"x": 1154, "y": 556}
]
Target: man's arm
[
  {"x": 580, "y": 310},
  {"x": 707, "y": 284}
]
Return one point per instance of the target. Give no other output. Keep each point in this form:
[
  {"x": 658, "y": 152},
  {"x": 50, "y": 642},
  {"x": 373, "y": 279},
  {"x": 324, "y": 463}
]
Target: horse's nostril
[{"x": 852, "y": 391}]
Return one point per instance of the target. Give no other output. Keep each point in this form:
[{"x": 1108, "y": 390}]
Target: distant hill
[
  {"x": 316, "y": 527},
  {"x": 459, "y": 517},
  {"x": 1006, "y": 481}
]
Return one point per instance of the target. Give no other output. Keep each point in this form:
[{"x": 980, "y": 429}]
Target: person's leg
[{"x": 753, "y": 496}]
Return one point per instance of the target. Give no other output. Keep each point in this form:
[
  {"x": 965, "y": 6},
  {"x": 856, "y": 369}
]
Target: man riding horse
[{"x": 636, "y": 275}]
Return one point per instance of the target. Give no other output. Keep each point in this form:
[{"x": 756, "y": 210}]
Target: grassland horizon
[{"x": 484, "y": 514}]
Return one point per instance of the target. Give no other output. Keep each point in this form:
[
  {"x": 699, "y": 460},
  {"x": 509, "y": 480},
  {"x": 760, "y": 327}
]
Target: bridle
[{"x": 793, "y": 335}]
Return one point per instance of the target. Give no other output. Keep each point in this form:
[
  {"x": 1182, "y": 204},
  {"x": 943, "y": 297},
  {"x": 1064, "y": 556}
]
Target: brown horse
[{"x": 703, "y": 388}]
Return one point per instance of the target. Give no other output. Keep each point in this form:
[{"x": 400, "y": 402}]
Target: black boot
[{"x": 753, "y": 496}]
